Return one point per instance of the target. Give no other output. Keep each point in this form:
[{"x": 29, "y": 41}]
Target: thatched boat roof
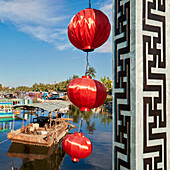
[{"x": 49, "y": 106}]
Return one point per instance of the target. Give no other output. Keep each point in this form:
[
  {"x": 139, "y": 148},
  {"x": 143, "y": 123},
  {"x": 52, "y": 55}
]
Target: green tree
[
  {"x": 0, "y": 86},
  {"x": 35, "y": 87},
  {"x": 107, "y": 83},
  {"x": 42, "y": 87},
  {"x": 12, "y": 89},
  {"x": 22, "y": 88},
  {"x": 91, "y": 72},
  {"x": 63, "y": 85}
]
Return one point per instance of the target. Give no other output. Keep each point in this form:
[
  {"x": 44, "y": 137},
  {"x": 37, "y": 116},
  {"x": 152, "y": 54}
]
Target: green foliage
[
  {"x": 107, "y": 83},
  {"x": 106, "y": 121},
  {"x": 74, "y": 112},
  {"x": 91, "y": 72},
  {"x": 23, "y": 88},
  {"x": 88, "y": 118},
  {"x": 61, "y": 86},
  {"x": 108, "y": 99},
  {"x": 0, "y": 86}
]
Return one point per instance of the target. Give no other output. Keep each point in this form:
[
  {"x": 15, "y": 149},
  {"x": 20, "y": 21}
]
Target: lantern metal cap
[
  {"x": 88, "y": 77},
  {"x": 75, "y": 160},
  {"x": 78, "y": 134},
  {"x": 86, "y": 49}
]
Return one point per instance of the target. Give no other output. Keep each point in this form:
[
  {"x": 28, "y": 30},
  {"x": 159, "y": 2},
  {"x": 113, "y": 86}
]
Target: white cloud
[
  {"x": 65, "y": 46},
  {"x": 41, "y": 19},
  {"x": 47, "y": 34},
  {"x": 106, "y": 7},
  {"x": 45, "y": 20},
  {"x": 105, "y": 48},
  {"x": 30, "y": 12}
]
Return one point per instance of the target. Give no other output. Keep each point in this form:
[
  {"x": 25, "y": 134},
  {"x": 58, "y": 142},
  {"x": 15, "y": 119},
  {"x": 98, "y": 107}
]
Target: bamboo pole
[
  {"x": 50, "y": 121},
  {"x": 13, "y": 120},
  {"x": 55, "y": 119},
  {"x": 23, "y": 118},
  {"x": 31, "y": 115},
  {"x": 66, "y": 119}
]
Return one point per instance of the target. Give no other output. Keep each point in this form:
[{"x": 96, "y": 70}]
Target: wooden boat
[
  {"x": 42, "y": 134},
  {"x": 43, "y": 131}
]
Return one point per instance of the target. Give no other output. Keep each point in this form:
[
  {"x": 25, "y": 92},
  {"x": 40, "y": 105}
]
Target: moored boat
[
  {"x": 6, "y": 109},
  {"x": 43, "y": 130},
  {"x": 36, "y": 134},
  {"x": 6, "y": 104}
]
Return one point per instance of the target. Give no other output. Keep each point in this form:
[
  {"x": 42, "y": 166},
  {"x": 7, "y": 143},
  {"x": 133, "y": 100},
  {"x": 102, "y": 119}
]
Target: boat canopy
[{"x": 49, "y": 106}]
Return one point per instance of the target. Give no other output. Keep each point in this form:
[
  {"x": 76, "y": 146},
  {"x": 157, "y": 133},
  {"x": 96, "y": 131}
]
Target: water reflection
[
  {"x": 37, "y": 157},
  {"x": 96, "y": 125},
  {"x": 100, "y": 114},
  {"x": 5, "y": 124}
]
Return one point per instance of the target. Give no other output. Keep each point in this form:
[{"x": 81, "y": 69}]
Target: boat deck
[{"x": 35, "y": 135}]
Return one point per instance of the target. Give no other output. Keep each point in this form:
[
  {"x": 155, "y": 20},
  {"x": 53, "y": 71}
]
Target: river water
[{"x": 95, "y": 126}]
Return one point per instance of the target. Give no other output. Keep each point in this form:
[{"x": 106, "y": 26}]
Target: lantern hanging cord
[
  {"x": 80, "y": 125},
  {"x": 87, "y": 64},
  {"x": 89, "y": 3}
]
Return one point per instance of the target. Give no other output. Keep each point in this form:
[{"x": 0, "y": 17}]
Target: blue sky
[{"x": 34, "y": 46}]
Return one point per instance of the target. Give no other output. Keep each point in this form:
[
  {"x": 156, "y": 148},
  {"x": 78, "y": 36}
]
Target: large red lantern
[
  {"x": 77, "y": 146},
  {"x": 89, "y": 29},
  {"x": 86, "y": 93}
]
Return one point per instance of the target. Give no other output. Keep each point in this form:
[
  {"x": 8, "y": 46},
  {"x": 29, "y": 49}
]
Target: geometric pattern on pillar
[
  {"x": 154, "y": 86},
  {"x": 122, "y": 92}
]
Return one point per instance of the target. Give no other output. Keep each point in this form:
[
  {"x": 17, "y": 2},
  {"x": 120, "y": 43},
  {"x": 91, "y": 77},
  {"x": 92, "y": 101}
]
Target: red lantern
[
  {"x": 77, "y": 146},
  {"x": 89, "y": 29},
  {"x": 86, "y": 93}
]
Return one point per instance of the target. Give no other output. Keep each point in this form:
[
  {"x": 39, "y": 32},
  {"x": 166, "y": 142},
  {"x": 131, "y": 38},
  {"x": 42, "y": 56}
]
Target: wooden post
[
  {"x": 23, "y": 118},
  {"x": 12, "y": 163},
  {"x": 13, "y": 120},
  {"x": 50, "y": 121},
  {"x": 55, "y": 119},
  {"x": 31, "y": 115}
]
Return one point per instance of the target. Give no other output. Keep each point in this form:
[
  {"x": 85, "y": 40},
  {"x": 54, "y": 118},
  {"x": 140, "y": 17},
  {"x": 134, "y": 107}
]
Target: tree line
[{"x": 61, "y": 86}]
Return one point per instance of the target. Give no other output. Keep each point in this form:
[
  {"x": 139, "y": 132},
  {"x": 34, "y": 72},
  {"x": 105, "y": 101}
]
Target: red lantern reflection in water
[{"x": 77, "y": 146}]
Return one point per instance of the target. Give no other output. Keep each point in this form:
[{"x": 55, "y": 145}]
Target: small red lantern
[
  {"x": 86, "y": 93},
  {"x": 89, "y": 29},
  {"x": 77, "y": 146}
]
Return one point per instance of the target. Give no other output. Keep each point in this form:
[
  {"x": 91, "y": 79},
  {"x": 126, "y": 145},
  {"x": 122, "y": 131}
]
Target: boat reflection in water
[
  {"x": 96, "y": 126},
  {"x": 5, "y": 124},
  {"x": 37, "y": 157}
]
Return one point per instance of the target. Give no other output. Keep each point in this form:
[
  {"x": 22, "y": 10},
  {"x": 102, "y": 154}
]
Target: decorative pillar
[{"x": 141, "y": 83}]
